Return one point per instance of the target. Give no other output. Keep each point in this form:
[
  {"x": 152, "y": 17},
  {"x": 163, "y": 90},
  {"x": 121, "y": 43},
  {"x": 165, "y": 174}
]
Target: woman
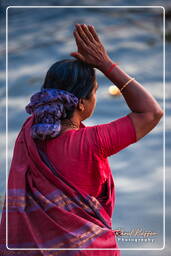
[{"x": 60, "y": 187}]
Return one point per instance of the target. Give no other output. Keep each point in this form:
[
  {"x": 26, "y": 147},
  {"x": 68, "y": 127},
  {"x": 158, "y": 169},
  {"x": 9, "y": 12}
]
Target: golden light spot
[{"x": 114, "y": 91}]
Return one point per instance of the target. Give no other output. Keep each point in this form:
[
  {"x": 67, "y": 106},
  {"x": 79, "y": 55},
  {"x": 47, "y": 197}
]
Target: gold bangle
[{"x": 130, "y": 80}]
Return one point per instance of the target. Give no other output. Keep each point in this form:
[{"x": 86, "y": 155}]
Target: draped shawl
[{"x": 47, "y": 211}]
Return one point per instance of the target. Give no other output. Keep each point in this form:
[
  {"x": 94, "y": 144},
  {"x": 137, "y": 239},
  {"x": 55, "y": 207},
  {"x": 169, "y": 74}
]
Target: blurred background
[{"x": 133, "y": 37}]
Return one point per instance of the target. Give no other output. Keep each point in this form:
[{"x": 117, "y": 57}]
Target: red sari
[{"x": 46, "y": 210}]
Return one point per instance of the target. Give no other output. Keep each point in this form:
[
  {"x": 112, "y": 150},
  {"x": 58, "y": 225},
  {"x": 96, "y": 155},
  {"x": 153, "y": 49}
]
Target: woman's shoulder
[{"x": 109, "y": 138}]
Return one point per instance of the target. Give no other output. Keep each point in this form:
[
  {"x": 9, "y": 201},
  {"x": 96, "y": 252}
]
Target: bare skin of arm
[{"x": 146, "y": 111}]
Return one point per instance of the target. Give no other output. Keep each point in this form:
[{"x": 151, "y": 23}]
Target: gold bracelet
[{"x": 130, "y": 80}]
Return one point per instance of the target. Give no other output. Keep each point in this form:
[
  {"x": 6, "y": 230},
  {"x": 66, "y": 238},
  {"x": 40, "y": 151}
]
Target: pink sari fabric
[{"x": 47, "y": 211}]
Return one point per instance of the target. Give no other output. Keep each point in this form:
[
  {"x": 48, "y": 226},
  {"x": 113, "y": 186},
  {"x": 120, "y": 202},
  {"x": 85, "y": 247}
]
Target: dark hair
[{"x": 71, "y": 75}]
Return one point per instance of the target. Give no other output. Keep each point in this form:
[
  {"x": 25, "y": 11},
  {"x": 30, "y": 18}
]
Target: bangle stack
[
  {"x": 111, "y": 68},
  {"x": 130, "y": 80}
]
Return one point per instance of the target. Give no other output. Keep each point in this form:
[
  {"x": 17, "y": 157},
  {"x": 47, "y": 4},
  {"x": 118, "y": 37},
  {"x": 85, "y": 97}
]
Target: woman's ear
[{"x": 81, "y": 105}]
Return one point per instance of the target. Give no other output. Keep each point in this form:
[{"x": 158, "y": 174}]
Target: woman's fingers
[
  {"x": 77, "y": 55},
  {"x": 93, "y": 32},
  {"x": 82, "y": 34},
  {"x": 88, "y": 33},
  {"x": 79, "y": 40},
  {"x": 90, "y": 49}
]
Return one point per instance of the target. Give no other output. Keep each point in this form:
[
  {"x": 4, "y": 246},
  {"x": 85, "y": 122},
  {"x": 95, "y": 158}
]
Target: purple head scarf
[{"x": 49, "y": 106}]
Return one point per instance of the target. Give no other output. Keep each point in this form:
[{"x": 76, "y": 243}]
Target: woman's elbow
[{"x": 158, "y": 114}]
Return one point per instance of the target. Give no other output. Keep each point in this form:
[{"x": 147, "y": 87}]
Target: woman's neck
[{"x": 68, "y": 124}]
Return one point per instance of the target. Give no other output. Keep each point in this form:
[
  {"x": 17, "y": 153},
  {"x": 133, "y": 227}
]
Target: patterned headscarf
[{"x": 49, "y": 106}]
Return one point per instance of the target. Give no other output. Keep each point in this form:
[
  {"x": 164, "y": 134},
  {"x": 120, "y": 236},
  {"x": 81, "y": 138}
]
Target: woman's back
[{"x": 81, "y": 155}]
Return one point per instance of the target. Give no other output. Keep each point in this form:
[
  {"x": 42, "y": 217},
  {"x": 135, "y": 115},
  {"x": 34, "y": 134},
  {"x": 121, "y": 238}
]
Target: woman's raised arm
[{"x": 146, "y": 112}]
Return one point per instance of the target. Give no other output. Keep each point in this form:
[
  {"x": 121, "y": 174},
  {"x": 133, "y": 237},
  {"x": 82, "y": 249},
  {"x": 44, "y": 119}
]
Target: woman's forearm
[{"x": 137, "y": 97}]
